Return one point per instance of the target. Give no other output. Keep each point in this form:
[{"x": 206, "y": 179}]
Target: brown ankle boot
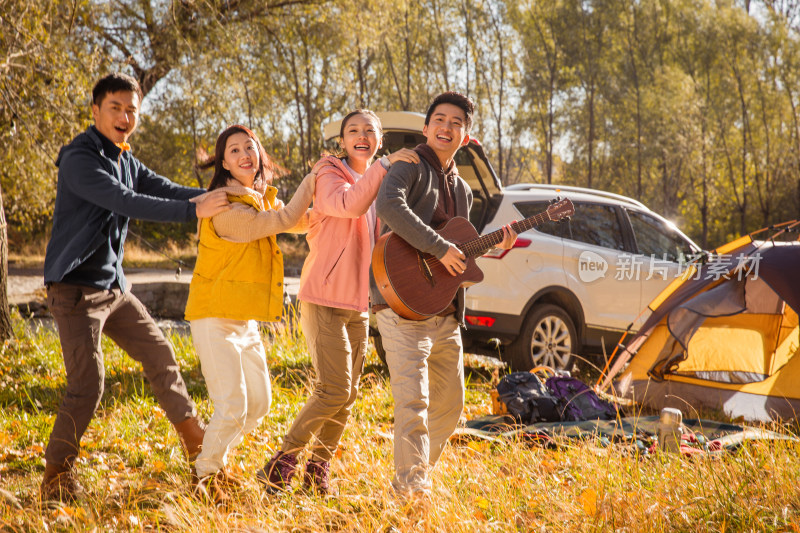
[
  {"x": 58, "y": 484},
  {"x": 317, "y": 477},
  {"x": 228, "y": 480},
  {"x": 212, "y": 489},
  {"x": 191, "y": 431}
]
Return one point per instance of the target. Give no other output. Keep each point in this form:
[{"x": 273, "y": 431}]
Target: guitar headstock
[{"x": 561, "y": 209}]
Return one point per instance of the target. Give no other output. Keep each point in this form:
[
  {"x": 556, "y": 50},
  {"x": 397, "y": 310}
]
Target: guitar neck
[{"x": 484, "y": 243}]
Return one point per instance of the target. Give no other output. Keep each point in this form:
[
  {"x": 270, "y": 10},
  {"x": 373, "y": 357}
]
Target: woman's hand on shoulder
[
  {"x": 325, "y": 161},
  {"x": 404, "y": 154},
  {"x": 310, "y": 180}
]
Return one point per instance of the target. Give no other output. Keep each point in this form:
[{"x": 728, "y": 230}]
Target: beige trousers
[
  {"x": 426, "y": 367},
  {"x": 234, "y": 366},
  {"x": 337, "y": 340}
]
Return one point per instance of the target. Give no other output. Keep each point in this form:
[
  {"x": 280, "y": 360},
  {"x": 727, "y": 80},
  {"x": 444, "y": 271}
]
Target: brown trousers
[
  {"x": 81, "y": 315},
  {"x": 337, "y": 340}
]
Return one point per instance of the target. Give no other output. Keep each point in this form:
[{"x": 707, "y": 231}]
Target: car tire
[
  {"x": 548, "y": 338},
  {"x": 377, "y": 342}
]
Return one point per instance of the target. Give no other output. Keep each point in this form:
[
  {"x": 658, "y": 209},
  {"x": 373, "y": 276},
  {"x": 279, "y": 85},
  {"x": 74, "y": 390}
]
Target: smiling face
[
  {"x": 241, "y": 158},
  {"x": 446, "y": 131},
  {"x": 117, "y": 115},
  {"x": 361, "y": 139}
]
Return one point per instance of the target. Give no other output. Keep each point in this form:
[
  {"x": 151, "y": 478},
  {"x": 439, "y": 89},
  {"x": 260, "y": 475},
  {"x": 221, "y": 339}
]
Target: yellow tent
[{"x": 723, "y": 336}]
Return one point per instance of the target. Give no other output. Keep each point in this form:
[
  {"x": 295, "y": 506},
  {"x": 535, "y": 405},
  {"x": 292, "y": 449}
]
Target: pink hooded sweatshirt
[{"x": 336, "y": 271}]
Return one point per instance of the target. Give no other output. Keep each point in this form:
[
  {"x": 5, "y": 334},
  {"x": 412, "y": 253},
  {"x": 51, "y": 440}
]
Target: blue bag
[{"x": 527, "y": 399}]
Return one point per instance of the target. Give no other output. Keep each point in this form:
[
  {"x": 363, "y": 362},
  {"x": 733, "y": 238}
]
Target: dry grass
[
  {"x": 31, "y": 254},
  {"x": 136, "y": 479},
  {"x": 138, "y": 254},
  {"x": 26, "y": 254}
]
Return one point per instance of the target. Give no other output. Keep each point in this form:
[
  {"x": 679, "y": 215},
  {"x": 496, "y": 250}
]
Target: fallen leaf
[
  {"x": 482, "y": 502},
  {"x": 478, "y": 445},
  {"x": 35, "y": 449},
  {"x": 588, "y": 499},
  {"x": 548, "y": 466}
]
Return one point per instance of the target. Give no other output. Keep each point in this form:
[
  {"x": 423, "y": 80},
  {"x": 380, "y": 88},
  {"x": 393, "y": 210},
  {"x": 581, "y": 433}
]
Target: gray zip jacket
[{"x": 405, "y": 204}]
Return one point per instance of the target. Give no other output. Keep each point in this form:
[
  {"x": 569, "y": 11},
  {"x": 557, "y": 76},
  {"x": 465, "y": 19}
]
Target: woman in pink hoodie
[{"x": 334, "y": 295}]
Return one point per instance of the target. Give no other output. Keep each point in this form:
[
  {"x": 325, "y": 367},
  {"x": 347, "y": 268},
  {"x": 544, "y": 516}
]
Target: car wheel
[
  {"x": 548, "y": 338},
  {"x": 378, "y": 343}
]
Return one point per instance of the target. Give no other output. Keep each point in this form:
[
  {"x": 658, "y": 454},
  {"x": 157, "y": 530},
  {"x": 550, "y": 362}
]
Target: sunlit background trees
[{"x": 691, "y": 106}]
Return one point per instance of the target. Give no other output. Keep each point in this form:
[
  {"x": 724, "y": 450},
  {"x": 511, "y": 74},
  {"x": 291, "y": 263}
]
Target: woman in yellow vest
[{"x": 237, "y": 282}]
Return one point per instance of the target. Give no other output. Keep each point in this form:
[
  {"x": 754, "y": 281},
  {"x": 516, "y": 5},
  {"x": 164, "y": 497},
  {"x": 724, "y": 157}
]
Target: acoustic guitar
[{"x": 417, "y": 286}]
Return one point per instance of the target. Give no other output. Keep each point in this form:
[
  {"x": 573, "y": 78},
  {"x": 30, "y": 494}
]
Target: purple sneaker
[
  {"x": 317, "y": 476},
  {"x": 278, "y": 472}
]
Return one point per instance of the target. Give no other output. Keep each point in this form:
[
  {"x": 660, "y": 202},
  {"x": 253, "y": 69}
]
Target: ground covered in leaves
[{"x": 135, "y": 477}]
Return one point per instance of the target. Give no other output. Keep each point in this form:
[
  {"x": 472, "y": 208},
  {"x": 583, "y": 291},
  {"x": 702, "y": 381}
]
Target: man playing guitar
[{"x": 425, "y": 357}]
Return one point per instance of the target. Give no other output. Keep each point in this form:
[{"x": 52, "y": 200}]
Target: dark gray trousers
[{"x": 81, "y": 315}]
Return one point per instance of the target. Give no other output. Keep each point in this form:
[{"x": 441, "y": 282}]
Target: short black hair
[
  {"x": 458, "y": 100},
  {"x": 115, "y": 82}
]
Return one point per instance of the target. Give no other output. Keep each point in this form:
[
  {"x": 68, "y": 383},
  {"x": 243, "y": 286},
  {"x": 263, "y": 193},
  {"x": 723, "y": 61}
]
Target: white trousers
[
  {"x": 426, "y": 369},
  {"x": 234, "y": 366}
]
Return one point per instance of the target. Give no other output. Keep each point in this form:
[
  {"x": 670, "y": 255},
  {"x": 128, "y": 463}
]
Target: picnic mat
[{"x": 699, "y": 436}]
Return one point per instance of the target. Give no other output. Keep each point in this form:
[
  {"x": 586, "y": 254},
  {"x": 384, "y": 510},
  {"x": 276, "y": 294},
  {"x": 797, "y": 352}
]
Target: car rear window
[{"x": 394, "y": 140}]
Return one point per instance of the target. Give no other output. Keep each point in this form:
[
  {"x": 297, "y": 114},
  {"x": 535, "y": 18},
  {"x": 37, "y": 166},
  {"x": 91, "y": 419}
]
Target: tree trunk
[
  {"x": 704, "y": 173},
  {"x": 6, "y": 331},
  {"x": 796, "y": 144},
  {"x": 590, "y": 139},
  {"x": 362, "y": 84}
]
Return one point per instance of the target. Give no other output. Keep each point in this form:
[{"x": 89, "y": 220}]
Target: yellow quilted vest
[{"x": 241, "y": 281}]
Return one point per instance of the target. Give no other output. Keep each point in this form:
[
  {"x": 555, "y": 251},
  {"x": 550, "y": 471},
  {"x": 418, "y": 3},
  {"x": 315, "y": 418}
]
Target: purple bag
[{"x": 577, "y": 401}]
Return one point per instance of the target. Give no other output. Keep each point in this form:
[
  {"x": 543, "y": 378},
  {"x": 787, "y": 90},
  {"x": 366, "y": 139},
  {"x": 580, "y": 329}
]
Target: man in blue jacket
[{"x": 100, "y": 187}]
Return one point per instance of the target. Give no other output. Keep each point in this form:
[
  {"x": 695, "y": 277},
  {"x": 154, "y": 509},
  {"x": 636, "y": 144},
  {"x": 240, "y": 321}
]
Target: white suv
[
  {"x": 566, "y": 287},
  {"x": 571, "y": 286}
]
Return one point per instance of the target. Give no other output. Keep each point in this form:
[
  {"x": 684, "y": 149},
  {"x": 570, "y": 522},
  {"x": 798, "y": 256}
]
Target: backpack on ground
[
  {"x": 577, "y": 401},
  {"x": 527, "y": 399}
]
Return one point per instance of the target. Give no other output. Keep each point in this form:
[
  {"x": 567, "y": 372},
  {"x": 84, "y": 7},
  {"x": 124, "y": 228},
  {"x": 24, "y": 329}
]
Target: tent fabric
[
  {"x": 781, "y": 271},
  {"x": 687, "y": 395},
  {"x": 722, "y": 349},
  {"x": 677, "y": 292},
  {"x": 725, "y": 300},
  {"x": 728, "y": 342}
]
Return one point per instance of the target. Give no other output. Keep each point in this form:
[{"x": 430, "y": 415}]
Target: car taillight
[
  {"x": 484, "y": 321},
  {"x": 499, "y": 253}
]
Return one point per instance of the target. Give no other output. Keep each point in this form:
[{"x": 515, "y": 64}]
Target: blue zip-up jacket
[{"x": 100, "y": 188}]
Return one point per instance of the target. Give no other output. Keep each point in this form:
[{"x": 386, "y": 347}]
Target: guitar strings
[{"x": 471, "y": 248}]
